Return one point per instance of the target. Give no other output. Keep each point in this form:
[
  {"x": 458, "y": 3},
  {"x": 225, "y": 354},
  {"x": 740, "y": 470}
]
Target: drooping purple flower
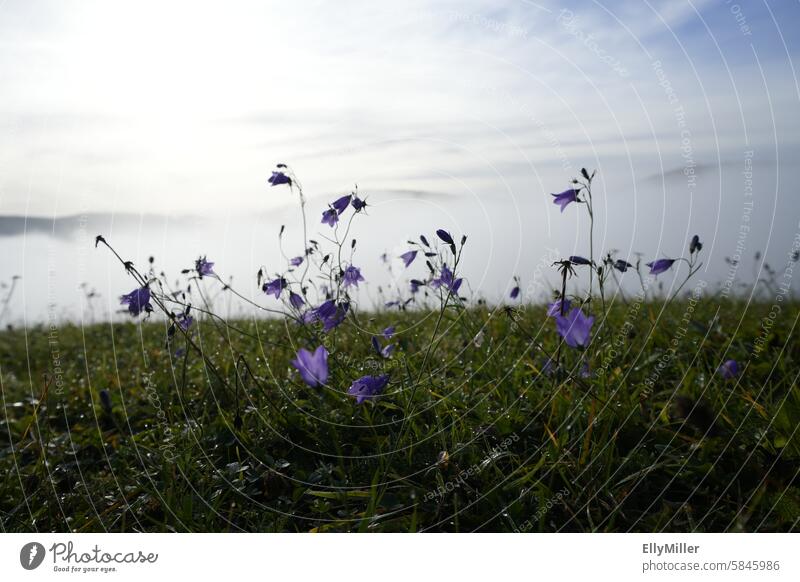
[
  {"x": 415, "y": 284},
  {"x": 352, "y": 276},
  {"x": 137, "y": 301},
  {"x": 383, "y": 352},
  {"x": 296, "y": 262},
  {"x": 330, "y": 217},
  {"x": 445, "y": 236},
  {"x": 203, "y": 267},
  {"x": 184, "y": 321},
  {"x": 313, "y": 368},
  {"x": 358, "y": 204},
  {"x": 330, "y": 314},
  {"x": 341, "y": 204},
  {"x": 659, "y": 266},
  {"x": 586, "y": 371},
  {"x": 296, "y": 300},
  {"x": 554, "y": 309},
  {"x": 729, "y": 369},
  {"x": 514, "y": 292},
  {"x": 447, "y": 280},
  {"x": 575, "y": 328},
  {"x": 564, "y": 198},
  {"x": 622, "y": 266},
  {"x": 325, "y": 310},
  {"x": 368, "y": 387},
  {"x": 275, "y": 287},
  {"x": 408, "y": 257},
  {"x": 278, "y": 178},
  {"x": 388, "y": 332},
  {"x": 576, "y": 260}
]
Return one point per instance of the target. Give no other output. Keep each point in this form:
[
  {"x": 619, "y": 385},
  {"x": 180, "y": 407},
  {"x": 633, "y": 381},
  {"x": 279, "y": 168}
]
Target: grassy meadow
[{"x": 474, "y": 432}]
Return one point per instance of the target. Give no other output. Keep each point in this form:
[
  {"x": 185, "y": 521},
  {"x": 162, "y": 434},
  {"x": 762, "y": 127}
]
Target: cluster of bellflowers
[
  {"x": 321, "y": 300},
  {"x": 314, "y": 288},
  {"x": 572, "y": 323}
]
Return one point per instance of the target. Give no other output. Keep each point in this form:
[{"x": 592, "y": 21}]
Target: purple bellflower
[
  {"x": 341, "y": 204},
  {"x": 368, "y": 387},
  {"x": 275, "y": 287},
  {"x": 313, "y": 368},
  {"x": 137, "y": 301},
  {"x": 203, "y": 267},
  {"x": 358, "y": 204},
  {"x": 514, "y": 292},
  {"x": 408, "y": 257},
  {"x": 554, "y": 309},
  {"x": 352, "y": 276},
  {"x": 729, "y": 369},
  {"x": 330, "y": 314},
  {"x": 184, "y": 321},
  {"x": 330, "y": 217},
  {"x": 447, "y": 280},
  {"x": 383, "y": 352},
  {"x": 575, "y": 328},
  {"x": 296, "y": 300},
  {"x": 278, "y": 178},
  {"x": 659, "y": 266},
  {"x": 565, "y": 198},
  {"x": 296, "y": 262}
]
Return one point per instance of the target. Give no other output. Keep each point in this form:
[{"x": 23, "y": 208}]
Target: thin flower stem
[{"x": 143, "y": 282}]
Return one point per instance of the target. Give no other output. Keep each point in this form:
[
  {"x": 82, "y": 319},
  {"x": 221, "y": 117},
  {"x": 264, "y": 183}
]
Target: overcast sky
[
  {"x": 185, "y": 106},
  {"x": 473, "y": 111}
]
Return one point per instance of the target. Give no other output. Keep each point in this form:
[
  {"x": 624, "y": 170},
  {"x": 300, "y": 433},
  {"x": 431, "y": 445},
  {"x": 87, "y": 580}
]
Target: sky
[{"x": 464, "y": 114}]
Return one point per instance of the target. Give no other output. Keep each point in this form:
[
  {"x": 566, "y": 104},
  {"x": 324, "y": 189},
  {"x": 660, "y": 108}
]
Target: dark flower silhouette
[
  {"x": 622, "y": 266},
  {"x": 278, "y": 178}
]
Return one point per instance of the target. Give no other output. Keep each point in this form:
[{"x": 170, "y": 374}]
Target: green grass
[{"x": 508, "y": 447}]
